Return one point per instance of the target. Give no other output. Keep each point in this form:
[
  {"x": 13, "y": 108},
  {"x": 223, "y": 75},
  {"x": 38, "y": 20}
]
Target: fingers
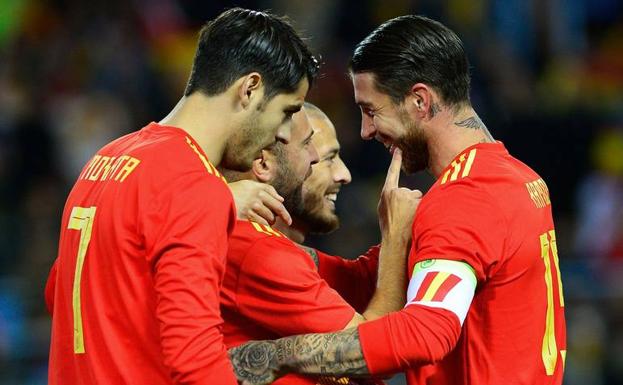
[
  {"x": 272, "y": 192},
  {"x": 276, "y": 207},
  {"x": 274, "y": 203},
  {"x": 393, "y": 173},
  {"x": 256, "y": 218},
  {"x": 267, "y": 207}
]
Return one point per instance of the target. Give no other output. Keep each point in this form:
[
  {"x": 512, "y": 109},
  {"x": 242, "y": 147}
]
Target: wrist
[{"x": 394, "y": 240}]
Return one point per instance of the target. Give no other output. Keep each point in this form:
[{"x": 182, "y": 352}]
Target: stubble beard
[
  {"x": 313, "y": 217},
  {"x": 287, "y": 185},
  {"x": 414, "y": 146},
  {"x": 242, "y": 148}
]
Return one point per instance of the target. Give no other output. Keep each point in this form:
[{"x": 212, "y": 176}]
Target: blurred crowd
[{"x": 547, "y": 79}]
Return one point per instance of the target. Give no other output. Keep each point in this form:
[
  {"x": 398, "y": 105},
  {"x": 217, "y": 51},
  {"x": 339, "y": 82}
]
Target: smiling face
[
  {"x": 320, "y": 190},
  {"x": 293, "y": 162},
  {"x": 269, "y": 121},
  {"x": 390, "y": 123}
]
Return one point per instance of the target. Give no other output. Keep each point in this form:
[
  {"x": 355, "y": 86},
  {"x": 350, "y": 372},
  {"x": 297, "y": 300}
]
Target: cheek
[{"x": 389, "y": 127}]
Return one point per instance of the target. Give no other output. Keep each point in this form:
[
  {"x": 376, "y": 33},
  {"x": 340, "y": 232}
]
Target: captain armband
[{"x": 444, "y": 284}]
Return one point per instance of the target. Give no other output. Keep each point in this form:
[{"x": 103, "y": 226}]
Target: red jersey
[
  {"x": 141, "y": 259},
  {"x": 493, "y": 213},
  {"x": 272, "y": 289},
  {"x": 354, "y": 280}
]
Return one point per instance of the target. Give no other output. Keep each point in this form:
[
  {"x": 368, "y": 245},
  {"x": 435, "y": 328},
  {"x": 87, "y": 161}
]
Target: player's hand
[
  {"x": 397, "y": 204},
  {"x": 258, "y": 202}
]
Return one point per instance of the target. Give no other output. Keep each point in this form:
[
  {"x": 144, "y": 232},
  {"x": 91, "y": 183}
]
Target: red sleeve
[
  {"x": 280, "y": 289},
  {"x": 456, "y": 222},
  {"x": 50, "y": 286},
  {"x": 416, "y": 335},
  {"x": 354, "y": 280},
  {"x": 460, "y": 223},
  {"x": 186, "y": 230}
]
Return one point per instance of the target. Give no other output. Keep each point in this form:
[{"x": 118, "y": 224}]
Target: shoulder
[{"x": 260, "y": 248}]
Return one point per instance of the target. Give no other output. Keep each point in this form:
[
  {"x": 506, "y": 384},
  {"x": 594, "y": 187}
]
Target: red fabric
[
  {"x": 272, "y": 289},
  {"x": 487, "y": 219},
  {"x": 152, "y": 271},
  {"x": 50, "y": 286},
  {"x": 354, "y": 280}
]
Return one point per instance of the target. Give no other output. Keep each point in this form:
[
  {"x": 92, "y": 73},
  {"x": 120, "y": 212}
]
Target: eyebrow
[
  {"x": 309, "y": 136},
  {"x": 294, "y": 108},
  {"x": 332, "y": 153},
  {"x": 364, "y": 104}
]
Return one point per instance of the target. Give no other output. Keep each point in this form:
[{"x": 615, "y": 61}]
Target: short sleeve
[
  {"x": 460, "y": 222},
  {"x": 280, "y": 289}
]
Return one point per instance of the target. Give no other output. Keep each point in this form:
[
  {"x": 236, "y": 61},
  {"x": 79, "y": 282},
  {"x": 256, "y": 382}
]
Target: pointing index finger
[{"x": 393, "y": 173}]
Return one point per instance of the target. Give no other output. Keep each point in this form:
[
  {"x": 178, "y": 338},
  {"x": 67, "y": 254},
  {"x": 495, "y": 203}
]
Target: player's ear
[
  {"x": 264, "y": 168},
  {"x": 419, "y": 101},
  {"x": 250, "y": 89}
]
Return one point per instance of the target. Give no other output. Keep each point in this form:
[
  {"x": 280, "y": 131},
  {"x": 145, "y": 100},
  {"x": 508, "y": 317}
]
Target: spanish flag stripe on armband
[{"x": 445, "y": 284}]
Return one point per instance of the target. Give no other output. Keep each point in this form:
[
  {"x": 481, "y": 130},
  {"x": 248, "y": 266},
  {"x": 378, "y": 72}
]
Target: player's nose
[
  {"x": 368, "y": 131},
  {"x": 284, "y": 133},
  {"x": 313, "y": 155},
  {"x": 341, "y": 173}
]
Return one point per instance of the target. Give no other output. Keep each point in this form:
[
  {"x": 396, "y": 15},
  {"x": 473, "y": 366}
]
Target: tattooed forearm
[
  {"x": 260, "y": 362},
  {"x": 256, "y": 362}
]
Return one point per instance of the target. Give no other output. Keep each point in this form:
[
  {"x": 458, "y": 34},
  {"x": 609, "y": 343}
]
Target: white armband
[{"x": 443, "y": 284}]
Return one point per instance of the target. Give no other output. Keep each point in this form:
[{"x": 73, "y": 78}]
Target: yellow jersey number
[
  {"x": 81, "y": 219},
  {"x": 549, "y": 351}
]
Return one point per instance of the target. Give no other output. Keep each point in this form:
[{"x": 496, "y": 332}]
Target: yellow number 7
[
  {"x": 549, "y": 350},
  {"x": 81, "y": 219}
]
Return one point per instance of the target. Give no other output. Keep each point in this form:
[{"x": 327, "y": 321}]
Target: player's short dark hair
[
  {"x": 240, "y": 41},
  {"x": 414, "y": 49}
]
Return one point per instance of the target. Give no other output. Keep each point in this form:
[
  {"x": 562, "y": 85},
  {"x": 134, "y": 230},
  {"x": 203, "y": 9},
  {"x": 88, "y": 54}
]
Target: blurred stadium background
[{"x": 547, "y": 80}]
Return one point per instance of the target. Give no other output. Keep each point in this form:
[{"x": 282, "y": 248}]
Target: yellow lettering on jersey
[
  {"x": 103, "y": 168},
  {"x": 563, "y": 354},
  {"x": 265, "y": 229},
  {"x": 89, "y": 168},
  {"x": 209, "y": 166},
  {"x": 107, "y": 167},
  {"x": 539, "y": 193},
  {"x": 96, "y": 172},
  {"x": 462, "y": 163},
  {"x": 457, "y": 167},
  {"x": 114, "y": 165},
  {"x": 272, "y": 231},
  {"x": 470, "y": 161},
  {"x": 259, "y": 228},
  {"x": 127, "y": 169}
]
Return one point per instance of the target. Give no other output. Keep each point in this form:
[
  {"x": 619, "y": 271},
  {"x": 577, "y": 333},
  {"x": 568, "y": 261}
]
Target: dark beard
[
  {"x": 312, "y": 220},
  {"x": 414, "y": 146},
  {"x": 286, "y": 184}
]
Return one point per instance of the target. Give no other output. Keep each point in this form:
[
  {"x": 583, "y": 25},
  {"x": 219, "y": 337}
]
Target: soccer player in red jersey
[
  {"x": 144, "y": 230},
  {"x": 485, "y": 302},
  {"x": 272, "y": 286}
]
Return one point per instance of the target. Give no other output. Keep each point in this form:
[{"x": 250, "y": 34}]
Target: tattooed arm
[{"x": 261, "y": 362}]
